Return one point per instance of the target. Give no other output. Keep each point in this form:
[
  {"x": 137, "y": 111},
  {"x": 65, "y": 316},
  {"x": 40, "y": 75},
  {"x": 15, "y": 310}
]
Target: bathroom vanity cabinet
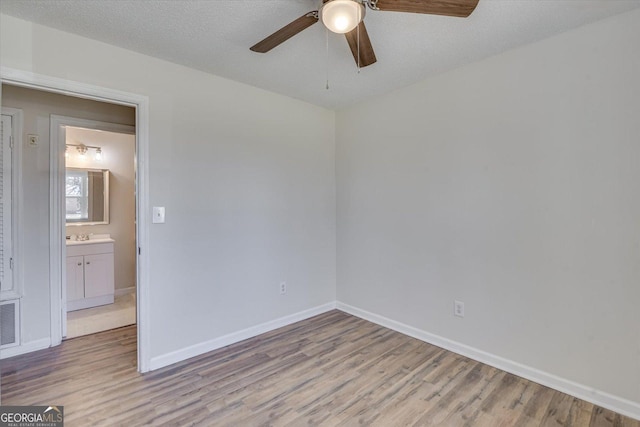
[{"x": 90, "y": 273}]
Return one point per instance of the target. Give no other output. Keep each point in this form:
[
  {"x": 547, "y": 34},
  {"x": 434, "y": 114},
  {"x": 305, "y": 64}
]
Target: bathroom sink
[{"x": 92, "y": 240}]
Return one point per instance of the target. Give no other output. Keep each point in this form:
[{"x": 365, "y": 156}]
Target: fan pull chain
[
  {"x": 327, "y": 43},
  {"x": 358, "y": 36}
]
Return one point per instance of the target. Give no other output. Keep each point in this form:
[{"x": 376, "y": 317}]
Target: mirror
[{"x": 87, "y": 196}]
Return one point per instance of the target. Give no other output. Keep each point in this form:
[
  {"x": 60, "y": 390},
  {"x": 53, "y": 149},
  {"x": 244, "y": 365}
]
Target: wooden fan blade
[
  {"x": 367, "y": 57},
  {"x": 459, "y": 8},
  {"x": 286, "y": 32}
]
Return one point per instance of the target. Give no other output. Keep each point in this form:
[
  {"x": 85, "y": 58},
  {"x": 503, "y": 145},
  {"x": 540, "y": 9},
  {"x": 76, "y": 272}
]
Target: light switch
[{"x": 158, "y": 215}]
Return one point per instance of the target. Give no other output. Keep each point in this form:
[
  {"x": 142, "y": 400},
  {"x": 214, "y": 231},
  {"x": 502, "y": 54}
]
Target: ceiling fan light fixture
[{"x": 342, "y": 16}]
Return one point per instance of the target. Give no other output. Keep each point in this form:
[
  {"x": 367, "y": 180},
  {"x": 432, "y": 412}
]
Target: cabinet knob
[
  {"x": 79, "y": 263},
  {"x": 88, "y": 262}
]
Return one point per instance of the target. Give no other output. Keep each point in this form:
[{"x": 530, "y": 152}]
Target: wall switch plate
[
  {"x": 158, "y": 215},
  {"x": 283, "y": 288},
  {"x": 458, "y": 308}
]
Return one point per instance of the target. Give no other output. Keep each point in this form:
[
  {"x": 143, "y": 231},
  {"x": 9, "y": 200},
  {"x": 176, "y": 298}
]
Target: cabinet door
[
  {"x": 75, "y": 278},
  {"x": 98, "y": 275}
]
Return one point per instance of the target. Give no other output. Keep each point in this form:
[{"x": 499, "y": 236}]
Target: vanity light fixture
[{"x": 83, "y": 150}]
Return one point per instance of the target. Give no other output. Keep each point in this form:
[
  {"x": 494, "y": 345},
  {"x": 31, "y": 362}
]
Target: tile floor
[{"x": 96, "y": 319}]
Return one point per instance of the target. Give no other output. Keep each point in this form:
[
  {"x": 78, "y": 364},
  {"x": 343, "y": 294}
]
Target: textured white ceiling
[{"x": 215, "y": 36}]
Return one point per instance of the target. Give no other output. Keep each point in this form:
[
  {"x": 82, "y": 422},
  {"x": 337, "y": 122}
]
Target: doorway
[
  {"x": 99, "y": 264},
  {"x": 57, "y": 231}
]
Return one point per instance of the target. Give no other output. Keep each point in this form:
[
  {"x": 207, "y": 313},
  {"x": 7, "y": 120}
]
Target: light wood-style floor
[{"x": 333, "y": 369}]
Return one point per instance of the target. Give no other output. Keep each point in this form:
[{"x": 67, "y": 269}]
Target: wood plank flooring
[{"x": 331, "y": 370}]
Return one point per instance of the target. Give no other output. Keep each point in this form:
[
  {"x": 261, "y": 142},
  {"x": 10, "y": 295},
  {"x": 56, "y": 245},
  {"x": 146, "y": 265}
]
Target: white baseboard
[
  {"x": 125, "y": 291},
  {"x": 597, "y": 397},
  {"x": 225, "y": 340},
  {"x": 83, "y": 303},
  {"x": 24, "y": 348}
]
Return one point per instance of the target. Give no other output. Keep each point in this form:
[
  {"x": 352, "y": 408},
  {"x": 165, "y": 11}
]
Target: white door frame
[
  {"x": 57, "y": 141},
  {"x": 56, "y": 230},
  {"x": 16, "y": 202}
]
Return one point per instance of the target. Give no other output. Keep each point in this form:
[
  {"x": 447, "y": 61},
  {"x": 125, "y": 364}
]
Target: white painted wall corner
[
  {"x": 234, "y": 337},
  {"x": 597, "y": 397}
]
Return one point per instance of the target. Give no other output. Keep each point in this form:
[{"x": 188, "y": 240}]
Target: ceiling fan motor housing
[{"x": 342, "y": 16}]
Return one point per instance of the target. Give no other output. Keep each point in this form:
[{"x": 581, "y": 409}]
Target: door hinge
[
  {"x": 139, "y": 250},
  {"x": 11, "y": 142},
  {"x": 11, "y": 263}
]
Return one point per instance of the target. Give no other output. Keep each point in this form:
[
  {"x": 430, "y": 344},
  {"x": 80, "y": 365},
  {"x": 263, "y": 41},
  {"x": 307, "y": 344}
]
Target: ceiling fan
[{"x": 345, "y": 17}]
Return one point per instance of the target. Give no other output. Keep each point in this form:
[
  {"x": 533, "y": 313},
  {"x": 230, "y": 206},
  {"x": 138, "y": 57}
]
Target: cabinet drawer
[{"x": 90, "y": 249}]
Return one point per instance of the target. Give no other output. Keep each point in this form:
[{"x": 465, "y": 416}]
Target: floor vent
[{"x": 9, "y": 331}]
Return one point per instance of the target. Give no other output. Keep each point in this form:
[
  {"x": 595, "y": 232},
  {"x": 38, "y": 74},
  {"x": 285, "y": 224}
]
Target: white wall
[
  {"x": 118, "y": 155},
  {"x": 37, "y": 107},
  {"x": 512, "y": 184},
  {"x": 247, "y": 178}
]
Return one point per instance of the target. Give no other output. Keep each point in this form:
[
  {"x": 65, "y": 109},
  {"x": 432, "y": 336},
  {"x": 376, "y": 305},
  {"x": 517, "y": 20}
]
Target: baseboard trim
[
  {"x": 232, "y": 338},
  {"x": 81, "y": 304},
  {"x": 25, "y": 348},
  {"x": 125, "y": 291},
  {"x": 597, "y": 397}
]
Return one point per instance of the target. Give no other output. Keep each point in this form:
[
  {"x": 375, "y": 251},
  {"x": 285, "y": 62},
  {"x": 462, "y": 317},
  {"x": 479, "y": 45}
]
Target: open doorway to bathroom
[
  {"x": 99, "y": 203},
  {"x": 100, "y": 136}
]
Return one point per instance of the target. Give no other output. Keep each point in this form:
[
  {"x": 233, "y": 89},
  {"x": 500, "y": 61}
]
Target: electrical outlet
[
  {"x": 458, "y": 308},
  {"x": 283, "y": 288}
]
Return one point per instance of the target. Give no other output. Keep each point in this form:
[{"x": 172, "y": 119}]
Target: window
[{"x": 77, "y": 195}]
